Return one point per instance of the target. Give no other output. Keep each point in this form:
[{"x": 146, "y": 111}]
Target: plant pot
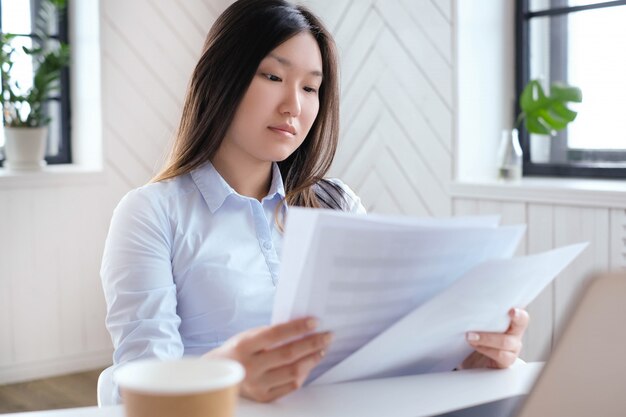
[
  {"x": 540, "y": 149},
  {"x": 25, "y": 148}
]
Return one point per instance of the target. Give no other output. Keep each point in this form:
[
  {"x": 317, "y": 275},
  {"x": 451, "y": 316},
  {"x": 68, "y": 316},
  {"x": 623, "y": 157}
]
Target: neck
[{"x": 250, "y": 178}]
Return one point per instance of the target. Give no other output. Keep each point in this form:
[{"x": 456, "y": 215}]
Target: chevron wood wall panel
[
  {"x": 396, "y": 135},
  {"x": 149, "y": 50}
]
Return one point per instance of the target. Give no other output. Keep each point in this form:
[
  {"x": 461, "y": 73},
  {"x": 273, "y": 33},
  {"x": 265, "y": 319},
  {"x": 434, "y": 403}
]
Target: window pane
[
  {"x": 54, "y": 128},
  {"x": 21, "y": 74},
  {"x": 583, "y": 49},
  {"x": 16, "y": 16},
  {"x": 597, "y": 63}
]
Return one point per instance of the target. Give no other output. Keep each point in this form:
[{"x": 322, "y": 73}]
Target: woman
[{"x": 191, "y": 261}]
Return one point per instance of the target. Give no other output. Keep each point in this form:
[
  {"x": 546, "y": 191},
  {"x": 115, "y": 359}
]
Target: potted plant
[
  {"x": 543, "y": 114},
  {"x": 23, "y": 111}
]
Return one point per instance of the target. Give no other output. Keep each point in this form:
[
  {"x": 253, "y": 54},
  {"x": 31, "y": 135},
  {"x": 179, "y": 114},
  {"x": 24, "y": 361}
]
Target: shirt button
[{"x": 267, "y": 245}]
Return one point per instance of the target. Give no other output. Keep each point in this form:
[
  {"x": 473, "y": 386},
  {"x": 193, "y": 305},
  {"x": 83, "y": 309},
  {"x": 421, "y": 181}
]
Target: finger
[
  {"x": 296, "y": 372},
  {"x": 500, "y": 341},
  {"x": 519, "y": 321},
  {"x": 280, "y": 391},
  {"x": 293, "y": 351},
  {"x": 501, "y": 358},
  {"x": 269, "y": 395},
  {"x": 269, "y": 336}
]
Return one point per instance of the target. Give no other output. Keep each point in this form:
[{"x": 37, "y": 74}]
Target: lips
[{"x": 284, "y": 127}]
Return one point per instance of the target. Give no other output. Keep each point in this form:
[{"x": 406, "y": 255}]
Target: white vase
[
  {"x": 25, "y": 148},
  {"x": 510, "y": 156},
  {"x": 540, "y": 149}
]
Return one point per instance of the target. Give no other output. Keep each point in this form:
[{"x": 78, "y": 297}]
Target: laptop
[{"x": 585, "y": 374}]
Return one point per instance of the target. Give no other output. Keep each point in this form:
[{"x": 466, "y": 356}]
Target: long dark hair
[{"x": 239, "y": 40}]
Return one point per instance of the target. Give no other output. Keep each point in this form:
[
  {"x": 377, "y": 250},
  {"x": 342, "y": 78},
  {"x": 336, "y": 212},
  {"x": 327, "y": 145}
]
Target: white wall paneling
[
  {"x": 618, "y": 239},
  {"x": 465, "y": 207},
  {"x": 572, "y": 225},
  {"x": 7, "y": 356},
  {"x": 540, "y": 237},
  {"x": 509, "y": 212},
  {"x": 50, "y": 298}
]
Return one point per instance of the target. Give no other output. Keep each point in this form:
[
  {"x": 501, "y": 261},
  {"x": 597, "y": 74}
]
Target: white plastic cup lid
[{"x": 181, "y": 376}]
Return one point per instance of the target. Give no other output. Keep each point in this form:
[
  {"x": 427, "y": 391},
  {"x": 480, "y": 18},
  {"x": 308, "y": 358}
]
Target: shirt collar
[
  {"x": 215, "y": 189},
  {"x": 277, "y": 186}
]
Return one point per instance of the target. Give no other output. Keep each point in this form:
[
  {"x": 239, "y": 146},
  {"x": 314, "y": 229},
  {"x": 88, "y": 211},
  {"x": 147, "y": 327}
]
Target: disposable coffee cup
[{"x": 180, "y": 388}]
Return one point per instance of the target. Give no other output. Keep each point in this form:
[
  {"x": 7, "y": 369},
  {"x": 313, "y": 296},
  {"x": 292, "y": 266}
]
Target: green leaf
[
  {"x": 534, "y": 125},
  {"x": 564, "y": 112},
  {"x": 32, "y": 51},
  {"x": 527, "y": 99},
  {"x": 546, "y": 113},
  {"x": 562, "y": 92},
  {"x": 59, "y": 4},
  {"x": 552, "y": 119}
]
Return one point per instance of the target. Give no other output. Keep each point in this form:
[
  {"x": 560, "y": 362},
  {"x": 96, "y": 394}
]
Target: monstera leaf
[{"x": 545, "y": 114}]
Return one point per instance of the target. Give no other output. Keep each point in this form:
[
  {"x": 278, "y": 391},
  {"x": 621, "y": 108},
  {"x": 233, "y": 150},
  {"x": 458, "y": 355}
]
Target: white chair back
[{"x": 107, "y": 394}]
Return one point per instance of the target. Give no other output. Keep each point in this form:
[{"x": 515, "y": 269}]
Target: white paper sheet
[
  {"x": 359, "y": 275},
  {"x": 432, "y": 337}
]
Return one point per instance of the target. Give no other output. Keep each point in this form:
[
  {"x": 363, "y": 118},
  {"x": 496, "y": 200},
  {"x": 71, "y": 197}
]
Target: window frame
[
  {"x": 523, "y": 17},
  {"x": 64, "y": 155}
]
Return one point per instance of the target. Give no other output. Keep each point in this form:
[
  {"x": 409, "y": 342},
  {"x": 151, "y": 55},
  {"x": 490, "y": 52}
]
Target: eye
[
  {"x": 310, "y": 90},
  {"x": 272, "y": 77}
]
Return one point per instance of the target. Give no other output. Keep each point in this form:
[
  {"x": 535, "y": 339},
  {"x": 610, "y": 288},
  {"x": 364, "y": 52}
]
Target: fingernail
[
  {"x": 515, "y": 313},
  {"x": 322, "y": 353},
  {"x": 311, "y": 324},
  {"x": 328, "y": 337},
  {"x": 473, "y": 337}
]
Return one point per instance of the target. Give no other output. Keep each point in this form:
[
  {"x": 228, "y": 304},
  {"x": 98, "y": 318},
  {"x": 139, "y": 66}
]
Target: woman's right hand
[{"x": 277, "y": 359}]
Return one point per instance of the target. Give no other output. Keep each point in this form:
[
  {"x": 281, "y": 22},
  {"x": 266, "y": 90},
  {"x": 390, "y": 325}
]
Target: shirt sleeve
[
  {"x": 138, "y": 283},
  {"x": 354, "y": 204}
]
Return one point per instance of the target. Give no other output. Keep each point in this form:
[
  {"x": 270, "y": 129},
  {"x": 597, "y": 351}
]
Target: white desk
[{"x": 412, "y": 396}]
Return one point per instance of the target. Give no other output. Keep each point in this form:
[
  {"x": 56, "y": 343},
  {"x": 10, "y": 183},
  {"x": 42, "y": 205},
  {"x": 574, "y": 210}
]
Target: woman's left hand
[{"x": 497, "y": 350}]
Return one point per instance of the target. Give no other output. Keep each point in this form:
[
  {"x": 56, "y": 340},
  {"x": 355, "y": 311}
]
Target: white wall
[{"x": 484, "y": 83}]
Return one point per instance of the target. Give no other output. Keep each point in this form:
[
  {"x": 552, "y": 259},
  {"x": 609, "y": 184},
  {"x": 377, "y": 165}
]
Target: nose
[{"x": 291, "y": 104}]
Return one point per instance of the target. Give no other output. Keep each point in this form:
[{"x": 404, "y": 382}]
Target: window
[
  {"x": 19, "y": 17},
  {"x": 579, "y": 42}
]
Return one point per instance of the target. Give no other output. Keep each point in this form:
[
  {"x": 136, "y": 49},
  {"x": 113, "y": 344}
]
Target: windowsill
[
  {"x": 52, "y": 176},
  {"x": 566, "y": 191}
]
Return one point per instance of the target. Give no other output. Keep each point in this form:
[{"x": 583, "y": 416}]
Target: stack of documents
[{"x": 399, "y": 294}]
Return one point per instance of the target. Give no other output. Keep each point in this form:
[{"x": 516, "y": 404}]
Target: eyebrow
[{"x": 288, "y": 63}]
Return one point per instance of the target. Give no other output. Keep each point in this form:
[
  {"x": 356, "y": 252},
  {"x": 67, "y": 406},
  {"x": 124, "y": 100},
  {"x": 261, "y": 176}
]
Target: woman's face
[{"x": 281, "y": 104}]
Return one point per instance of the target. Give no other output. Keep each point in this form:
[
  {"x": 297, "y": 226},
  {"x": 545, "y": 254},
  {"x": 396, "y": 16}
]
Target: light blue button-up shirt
[{"x": 189, "y": 262}]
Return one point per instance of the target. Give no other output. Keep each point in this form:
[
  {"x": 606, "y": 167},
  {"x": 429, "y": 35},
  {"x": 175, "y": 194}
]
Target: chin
[{"x": 279, "y": 156}]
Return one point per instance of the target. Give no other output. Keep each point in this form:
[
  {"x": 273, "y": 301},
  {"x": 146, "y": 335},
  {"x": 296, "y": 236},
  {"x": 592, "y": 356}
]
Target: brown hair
[{"x": 236, "y": 44}]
